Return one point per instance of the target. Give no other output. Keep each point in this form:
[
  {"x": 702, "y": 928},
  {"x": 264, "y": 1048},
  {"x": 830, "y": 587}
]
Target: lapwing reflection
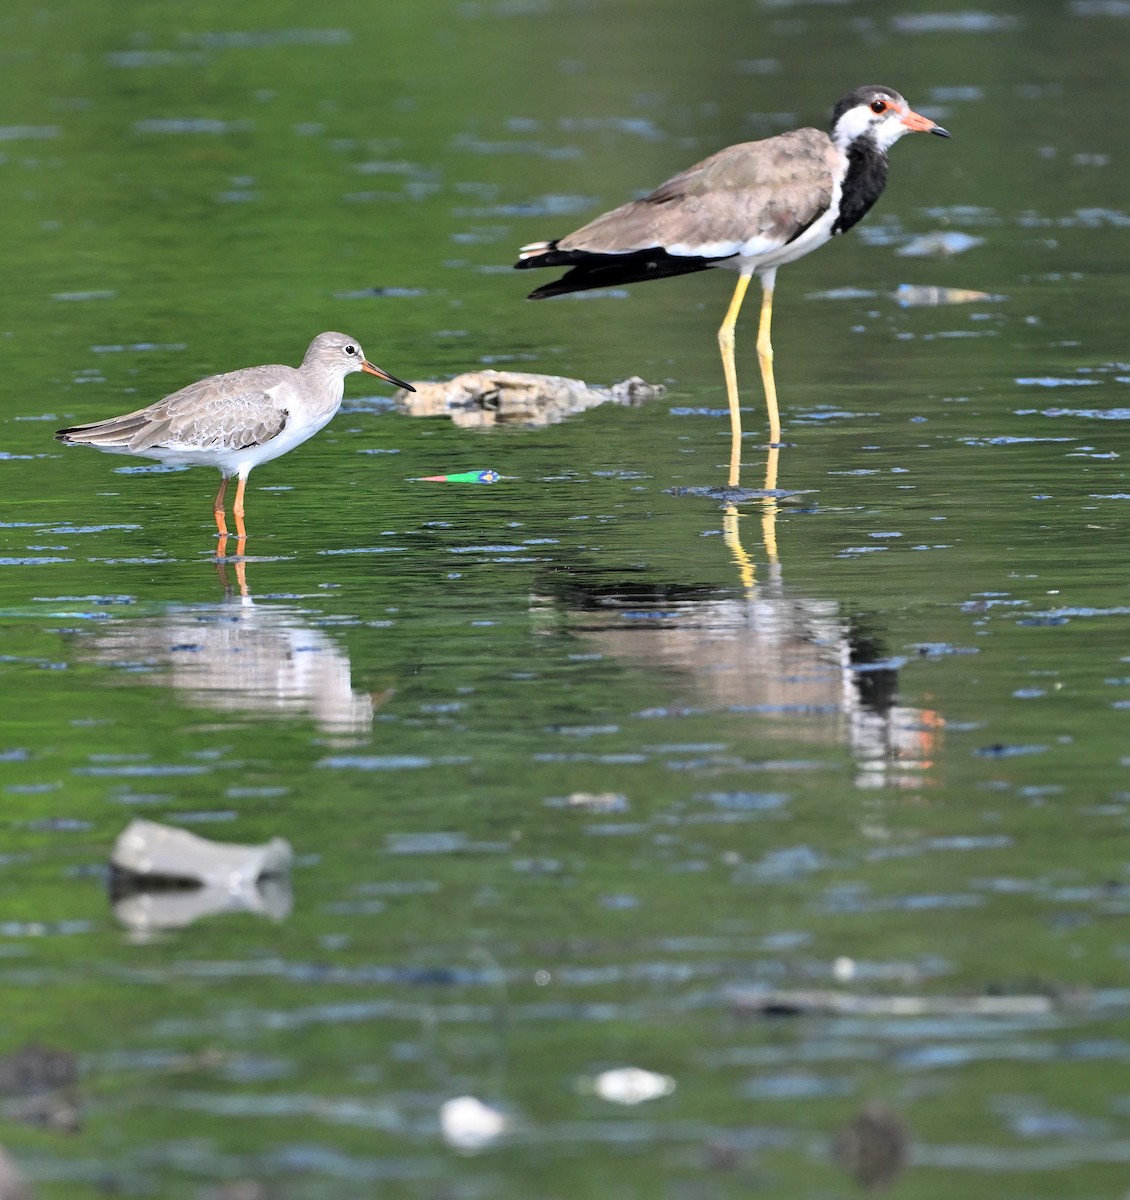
[{"x": 801, "y": 665}]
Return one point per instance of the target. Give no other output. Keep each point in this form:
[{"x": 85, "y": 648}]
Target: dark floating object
[
  {"x": 1000, "y": 750},
  {"x": 39, "y": 1086},
  {"x": 732, "y": 495},
  {"x": 34, "y": 1068},
  {"x": 768, "y": 1002},
  {"x": 166, "y": 878},
  {"x": 873, "y": 1148},
  {"x": 480, "y": 398}
]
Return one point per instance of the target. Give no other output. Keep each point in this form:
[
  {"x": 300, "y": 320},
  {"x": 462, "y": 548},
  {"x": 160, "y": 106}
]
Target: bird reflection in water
[
  {"x": 766, "y": 652},
  {"x": 240, "y": 655}
]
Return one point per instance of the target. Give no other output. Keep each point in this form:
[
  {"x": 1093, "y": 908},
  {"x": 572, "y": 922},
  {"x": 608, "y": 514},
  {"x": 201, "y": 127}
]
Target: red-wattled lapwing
[
  {"x": 236, "y": 421},
  {"x": 752, "y": 208}
]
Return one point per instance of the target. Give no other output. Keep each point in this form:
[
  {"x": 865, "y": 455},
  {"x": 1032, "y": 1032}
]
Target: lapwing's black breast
[{"x": 864, "y": 180}]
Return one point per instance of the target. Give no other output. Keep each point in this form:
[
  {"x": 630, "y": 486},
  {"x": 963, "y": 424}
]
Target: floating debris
[
  {"x": 873, "y": 1148},
  {"x": 598, "y": 801},
  {"x": 487, "y": 476},
  {"x": 34, "y": 1068},
  {"x": 768, "y": 1002},
  {"x": 732, "y": 495},
  {"x": 914, "y": 295},
  {"x": 941, "y": 244},
  {"x": 155, "y": 852},
  {"x": 629, "y": 1085},
  {"x": 39, "y": 1086},
  {"x": 166, "y": 878},
  {"x": 482, "y": 398},
  {"x": 468, "y": 1124}
]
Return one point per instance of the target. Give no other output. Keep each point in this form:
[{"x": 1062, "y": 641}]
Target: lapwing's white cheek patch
[
  {"x": 854, "y": 123},
  {"x": 884, "y": 128},
  {"x": 889, "y": 129}
]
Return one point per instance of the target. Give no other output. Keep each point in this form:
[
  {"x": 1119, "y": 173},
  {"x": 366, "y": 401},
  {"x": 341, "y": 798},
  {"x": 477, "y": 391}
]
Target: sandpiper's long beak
[
  {"x": 369, "y": 369},
  {"x": 920, "y": 124}
]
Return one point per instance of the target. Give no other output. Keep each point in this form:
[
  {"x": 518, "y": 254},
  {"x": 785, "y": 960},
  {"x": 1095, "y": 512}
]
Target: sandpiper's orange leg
[
  {"x": 237, "y": 509},
  {"x": 765, "y": 354},
  {"x": 726, "y": 345},
  {"x": 218, "y": 510}
]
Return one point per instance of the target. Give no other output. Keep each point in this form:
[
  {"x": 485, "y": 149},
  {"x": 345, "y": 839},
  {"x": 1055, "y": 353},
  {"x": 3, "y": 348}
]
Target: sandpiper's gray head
[{"x": 338, "y": 352}]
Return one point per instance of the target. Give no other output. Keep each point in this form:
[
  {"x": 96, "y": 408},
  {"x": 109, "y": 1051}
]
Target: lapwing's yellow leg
[
  {"x": 765, "y": 354},
  {"x": 732, "y": 538},
  {"x": 726, "y": 345},
  {"x": 769, "y": 510}
]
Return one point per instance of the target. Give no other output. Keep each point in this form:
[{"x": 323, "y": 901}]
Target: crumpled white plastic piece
[
  {"x": 632, "y": 1085},
  {"x": 468, "y": 1124}
]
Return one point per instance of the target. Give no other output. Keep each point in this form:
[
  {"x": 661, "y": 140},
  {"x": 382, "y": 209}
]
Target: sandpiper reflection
[{"x": 240, "y": 655}]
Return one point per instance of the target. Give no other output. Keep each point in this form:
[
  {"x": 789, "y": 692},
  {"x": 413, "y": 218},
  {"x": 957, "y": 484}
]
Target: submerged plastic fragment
[
  {"x": 468, "y": 1124},
  {"x": 916, "y": 295}
]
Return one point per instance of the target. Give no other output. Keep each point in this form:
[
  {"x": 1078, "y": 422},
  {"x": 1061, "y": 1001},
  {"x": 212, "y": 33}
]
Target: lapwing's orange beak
[
  {"x": 920, "y": 124},
  {"x": 369, "y": 369}
]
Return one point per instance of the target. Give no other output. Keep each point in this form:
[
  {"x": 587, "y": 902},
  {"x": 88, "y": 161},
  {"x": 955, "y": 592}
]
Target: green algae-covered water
[{"x": 582, "y": 770}]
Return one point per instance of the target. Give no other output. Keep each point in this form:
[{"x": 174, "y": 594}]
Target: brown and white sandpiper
[
  {"x": 750, "y": 208},
  {"x": 236, "y": 421}
]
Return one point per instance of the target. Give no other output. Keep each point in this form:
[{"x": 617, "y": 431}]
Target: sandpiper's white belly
[{"x": 299, "y": 428}]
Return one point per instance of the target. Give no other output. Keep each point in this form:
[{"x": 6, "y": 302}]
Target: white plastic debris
[
  {"x": 166, "y": 878},
  {"x": 162, "y": 852},
  {"x": 598, "y": 801},
  {"x": 843, "y": 969},
  {"x": 468, "y": 1124},
  {"x": 632, "y": 1085}
]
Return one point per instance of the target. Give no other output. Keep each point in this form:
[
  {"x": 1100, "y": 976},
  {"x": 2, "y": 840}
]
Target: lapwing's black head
[{"x": 879, "y": 115}]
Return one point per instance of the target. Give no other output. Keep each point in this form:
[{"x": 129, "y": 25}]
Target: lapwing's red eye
[{"x": 878, "y": 106}]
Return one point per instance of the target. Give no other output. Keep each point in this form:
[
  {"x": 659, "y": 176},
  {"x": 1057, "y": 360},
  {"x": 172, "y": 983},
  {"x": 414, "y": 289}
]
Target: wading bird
[
  {"x": 750, "y": 208},
  {"x": 236, "y": 421}
]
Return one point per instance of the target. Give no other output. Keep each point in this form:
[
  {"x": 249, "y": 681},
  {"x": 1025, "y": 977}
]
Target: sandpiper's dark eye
[
  {"x": 350, "y": 349},
  {"x": 878, "y": 106}
]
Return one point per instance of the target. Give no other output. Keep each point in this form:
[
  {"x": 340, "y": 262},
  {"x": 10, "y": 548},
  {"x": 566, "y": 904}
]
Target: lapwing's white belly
[{"x": 761, "y": 253}]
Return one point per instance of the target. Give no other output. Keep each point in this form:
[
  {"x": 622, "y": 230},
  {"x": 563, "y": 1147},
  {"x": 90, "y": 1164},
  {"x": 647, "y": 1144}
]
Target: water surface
[{"x": 584, "y": 770}]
